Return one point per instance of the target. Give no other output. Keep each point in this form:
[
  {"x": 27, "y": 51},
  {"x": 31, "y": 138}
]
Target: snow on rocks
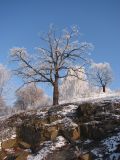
[
  {"x": 88, "y": 141},
  {"x": 67, "y": 122},
  {"x": 116, "y": 116},
  {"x": 68, "y": 109},
  {"x": 112, "y": 142},
  {"x": 61, "y": 120},
  {"x": 97, "y": 152},
  {"x": 115, "y": 156},
  {"x": 63, "y": 110},
  {"x": 92, "y": 123},
  {"x": 41, "y": 114},
  {"x": 13, "y": 136},
  {"x": 108, "y": 148},
  {"x": 48, "y": 148},
  {"x": 64, "y": 127}
]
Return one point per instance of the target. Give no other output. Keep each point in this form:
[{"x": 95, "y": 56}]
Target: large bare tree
[
  {"x": 61, "y": 52},
  {"x": 101, "y": 74}
]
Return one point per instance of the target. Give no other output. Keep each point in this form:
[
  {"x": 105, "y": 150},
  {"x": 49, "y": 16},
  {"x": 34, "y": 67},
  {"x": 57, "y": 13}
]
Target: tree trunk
[
  {"x": 55, "y": 92},
  {"x": 104, "y": 88}
]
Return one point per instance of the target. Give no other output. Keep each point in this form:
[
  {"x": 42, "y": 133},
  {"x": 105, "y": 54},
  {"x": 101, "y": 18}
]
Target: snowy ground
[
  {"x": 95, "y": 97},
  {"x": 107, "y": 146},
  {"x": 48, "y": 148},
  {"x": 108, "y": 149}
]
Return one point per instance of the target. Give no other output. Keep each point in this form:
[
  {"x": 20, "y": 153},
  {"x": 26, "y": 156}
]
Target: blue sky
[{"x": 21, "y": 21}]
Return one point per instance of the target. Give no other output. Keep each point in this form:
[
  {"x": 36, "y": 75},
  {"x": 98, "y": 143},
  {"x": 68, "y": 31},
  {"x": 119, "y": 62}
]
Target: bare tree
[
  {"x": 62, "y": 52},
  {"x": 101, "y": 74},
  {"x": 28, "y": 96}
]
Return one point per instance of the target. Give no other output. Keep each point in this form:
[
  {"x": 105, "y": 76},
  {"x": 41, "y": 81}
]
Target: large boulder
[
  {"x": 91, "y": 130},
  {"x": 10, "y": 150},
  {"x": 65, "y": 127},
  {"x": 10, "y": 143},
  {"x": 36, "y": 131}
]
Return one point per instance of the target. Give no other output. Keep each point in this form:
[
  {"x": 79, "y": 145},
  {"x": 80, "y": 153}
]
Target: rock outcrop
[{"x": 76, "y": 122}]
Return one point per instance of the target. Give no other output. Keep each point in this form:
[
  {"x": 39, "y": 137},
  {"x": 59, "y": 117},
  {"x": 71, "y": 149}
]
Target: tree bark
[
  {"x": 55, "y": 91},
  {"x": 104, "y": 88}
]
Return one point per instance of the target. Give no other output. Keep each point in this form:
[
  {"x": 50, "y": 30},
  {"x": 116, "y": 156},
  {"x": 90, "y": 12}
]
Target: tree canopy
[{"x": 62, "y": 52}]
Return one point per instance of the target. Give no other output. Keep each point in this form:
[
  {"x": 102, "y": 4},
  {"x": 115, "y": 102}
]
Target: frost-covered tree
[
  {"x": 101, "y": 74},
  {"x": 72, "y": 87},
  {"x": 4, "y": 77},
  {"x": 28, "y": 96},
  {"x": 2, "y": 106},
  {"x": 61, "y": 52}
]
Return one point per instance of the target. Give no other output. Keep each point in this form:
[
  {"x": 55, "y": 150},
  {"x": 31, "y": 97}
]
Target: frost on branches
[
  {"x": 4, "y": 77},
  {"x": 51, "y": 63},
  {"x": 30, "y": 97},
  {"x": 101, "y": 75},
  {"x": 73, "y": 87}
]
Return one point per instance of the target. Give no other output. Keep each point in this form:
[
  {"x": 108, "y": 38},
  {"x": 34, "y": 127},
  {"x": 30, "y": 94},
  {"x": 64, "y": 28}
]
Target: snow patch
[
  {"x": 92, "y": 123},
  {"x": 112, "y": 142},
  {"x": 96, "y": 152},
  {"x": 49, "y": 148},
  {"x": 41, "y": 113},
  {"x": 66, "y": 121},
  {"x": 67, "y": 109},
  {"x": 115, "y": 156},
  {"x": 87, "y": 141}
]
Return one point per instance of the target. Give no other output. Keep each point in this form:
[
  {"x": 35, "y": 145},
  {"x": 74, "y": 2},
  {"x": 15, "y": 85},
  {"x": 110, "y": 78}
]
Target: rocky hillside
[{"x": 86, "y": 130}]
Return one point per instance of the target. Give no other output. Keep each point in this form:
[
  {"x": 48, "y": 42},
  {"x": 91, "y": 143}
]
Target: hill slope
[{"x": 88, "y": 129}]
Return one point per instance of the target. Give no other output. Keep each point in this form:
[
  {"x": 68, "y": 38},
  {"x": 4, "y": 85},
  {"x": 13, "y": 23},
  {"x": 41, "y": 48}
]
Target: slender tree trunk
[
  {"x": 104, "y": 88},
  {"x": 55, "y": 91}
]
